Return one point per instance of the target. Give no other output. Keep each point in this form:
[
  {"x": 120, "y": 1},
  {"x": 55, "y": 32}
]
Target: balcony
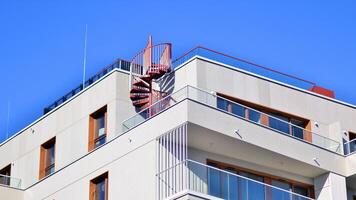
[
  {"x": 256, "y": 117},
  {"x": 350, "y": 147},
  {"x": 215, "y": 183},
  {"x": 10, "y": 181}
]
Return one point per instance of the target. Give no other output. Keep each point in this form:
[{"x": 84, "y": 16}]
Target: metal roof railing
[
  {"x": 244, "y": 65},
  {"x": 118, "y": 64}
]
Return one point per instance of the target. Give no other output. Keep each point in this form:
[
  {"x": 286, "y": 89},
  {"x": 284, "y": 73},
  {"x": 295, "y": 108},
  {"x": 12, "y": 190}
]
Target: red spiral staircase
[{"x": 148, "y": 65}]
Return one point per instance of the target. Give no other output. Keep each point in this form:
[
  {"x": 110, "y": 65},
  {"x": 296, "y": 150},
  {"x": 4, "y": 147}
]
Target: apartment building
[{"x": 203, "y": 126}]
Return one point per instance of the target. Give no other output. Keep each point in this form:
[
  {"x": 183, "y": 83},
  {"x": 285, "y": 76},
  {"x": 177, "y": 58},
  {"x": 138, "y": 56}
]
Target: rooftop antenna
[
  {"x": 8, "y": 120},
  {"x": 85, "y": 54}
]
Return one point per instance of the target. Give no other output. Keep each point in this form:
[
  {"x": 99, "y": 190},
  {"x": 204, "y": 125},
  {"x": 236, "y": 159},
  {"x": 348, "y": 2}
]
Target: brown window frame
[
  {"x": 6, "y": 171},
  {"x": 265, "y": 111},
  {"x": 95, "y": 181},
  {"x": 92, "y": 118},
  {"x": 267, "y": 178},
  {"x": 44, "y": 166}
]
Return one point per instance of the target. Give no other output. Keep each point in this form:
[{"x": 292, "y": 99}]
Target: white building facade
[{"x": 204, "y": 126}]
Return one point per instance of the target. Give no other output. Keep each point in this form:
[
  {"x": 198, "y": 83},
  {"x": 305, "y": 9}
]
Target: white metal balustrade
[{"x": 193, "y": 176}]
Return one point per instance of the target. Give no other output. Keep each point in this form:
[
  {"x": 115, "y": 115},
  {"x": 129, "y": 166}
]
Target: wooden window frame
[
  {"x": 95, "y": 181},
  {"x": 44, "y": 166},
  {"x": 307, "y": 135},
  {"x": 92, "y": 139},
  {"x": 267, "y": 178}
]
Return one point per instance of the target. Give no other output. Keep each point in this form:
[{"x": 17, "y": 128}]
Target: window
[
  {"x": 97, "y": 128},
  {"x": 47, "y": 158},
  {"x": 352, "y": 144},
  {"x": 5, "y": 174},
  {"x": 279, "y": 194},
  {"x": 250, "y": 189},
  {"x": 228, "y": 186},
  {"x": 99, "y": 188},
  {"x": 280, "y": 121},
  {"x": 231, "y": 107}
]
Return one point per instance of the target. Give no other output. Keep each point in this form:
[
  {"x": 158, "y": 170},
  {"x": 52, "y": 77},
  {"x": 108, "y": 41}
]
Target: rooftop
[
  {"x": 238, "y": 63},
  {"x": 235, "y": 63}
]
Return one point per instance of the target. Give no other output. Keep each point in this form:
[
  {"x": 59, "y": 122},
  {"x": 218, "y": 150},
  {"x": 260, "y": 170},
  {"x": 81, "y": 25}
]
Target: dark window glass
[
  {"x": 302, "y": 191},
  {"x": 297, "y": 131},
  {"x": 280, "y": 194},
  {"x": 49, "y": 157},
  {"x": 237, "y": 109},
  {"x": 5, "y": 174},
  {"x": 230, "y": 185},
  {"x": 279, "y": 123},
  {"x": 99, "y": 188},
  {"x": 352, "y": 146},
  {"x": 99, "y": 129},
  {"x": 251, "y": 189},
  {"x": 222, "y": 104},
  {"x": 254, "y": 116},
  {"x": 214, "y": 182},
  {"x": 100, "y": 125}
]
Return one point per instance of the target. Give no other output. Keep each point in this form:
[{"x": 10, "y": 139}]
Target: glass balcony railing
[
  {"x": 350, "y": 147},
  {"x": 238, "y": 110},
  {"x": 190, "y": 175},
  {"x": 10, "y": 181}
]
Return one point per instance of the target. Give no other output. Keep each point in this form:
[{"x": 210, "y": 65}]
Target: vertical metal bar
[
  {"x": 165, "y": 164},
  {"x": 174, "y": 160},
  {"x": 180, "y": 159},
  {"x": 157, "y": 167},
  {"x": 228, "y": 186}
]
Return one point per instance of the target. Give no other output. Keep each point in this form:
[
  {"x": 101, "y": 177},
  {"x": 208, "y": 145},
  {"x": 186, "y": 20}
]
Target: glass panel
[
  {"x": 296, "y": 130},
  {"x": 281, "y": 123},
  {"x": 4, "y": 180},
  {"x": 251, "y": 189},
  {"x": 50, "y": 156},
  {"x": 100, "y": 190},
  {"x": 214, "y": 182},
  {"x": 280, "y": 194},
  {"x": 49, "y": 170},
  {"x": 352, "y": 146},
  {"x": 221, "y": 104},
  {"x": 100, "y": 141},
  {"x": 100, "y": 125},
  {"x": 254, "y": 116},
  {"x": 300, "y": 190},
  {"x": 237, "y": 109},
  {"x": 232, "y": 186}
]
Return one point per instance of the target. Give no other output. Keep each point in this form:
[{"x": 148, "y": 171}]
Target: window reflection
[
  {"x": 280, "y": 194},
  {"x": 224, "y": 184},
  {"x": 280, "y": 123}
]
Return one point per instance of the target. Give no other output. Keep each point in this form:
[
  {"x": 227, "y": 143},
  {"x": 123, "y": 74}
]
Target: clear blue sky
[{"x": 41, "y": 42}]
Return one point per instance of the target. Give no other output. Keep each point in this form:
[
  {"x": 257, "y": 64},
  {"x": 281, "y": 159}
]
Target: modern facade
[{"x": 203, "y": 126}]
